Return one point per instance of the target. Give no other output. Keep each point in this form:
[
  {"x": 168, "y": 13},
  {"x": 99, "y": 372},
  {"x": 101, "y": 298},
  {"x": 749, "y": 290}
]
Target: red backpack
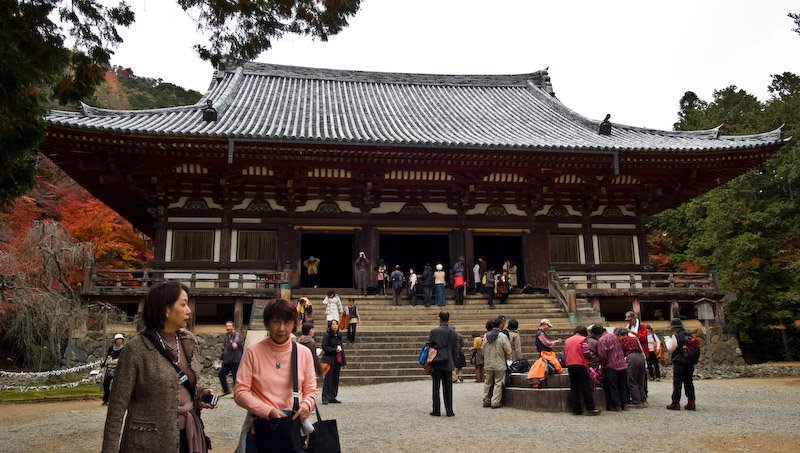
[{"x": 691, "y": 350}]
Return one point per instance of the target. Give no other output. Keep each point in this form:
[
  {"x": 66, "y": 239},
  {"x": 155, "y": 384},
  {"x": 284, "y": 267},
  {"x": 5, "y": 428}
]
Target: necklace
[
  {"x": 277, "y": 365},
  {"x": 177, "y": 347}
]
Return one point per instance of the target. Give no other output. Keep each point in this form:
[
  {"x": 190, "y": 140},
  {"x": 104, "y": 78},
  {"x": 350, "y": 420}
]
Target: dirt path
[{"x": 740, "y": 415}]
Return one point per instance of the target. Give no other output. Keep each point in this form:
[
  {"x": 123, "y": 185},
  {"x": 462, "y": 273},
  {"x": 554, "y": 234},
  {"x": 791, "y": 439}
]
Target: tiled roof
[{"x": 286, "y": 103}]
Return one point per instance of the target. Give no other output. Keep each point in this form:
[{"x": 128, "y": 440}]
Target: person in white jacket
[{"x": 333, "y": 307}]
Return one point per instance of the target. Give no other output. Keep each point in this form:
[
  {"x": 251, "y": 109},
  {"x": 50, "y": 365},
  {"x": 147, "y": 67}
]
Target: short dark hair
[
  {"x": 513, "y": 324},
  {"x": 597, "y": 329},
  {"x": 160, "y": 298},
  {"x": 444, "y": 316},
  {"x": 581, "y": 330},
  {"x": 307, "y": 326},
  {"x": 280, "y": 309}
]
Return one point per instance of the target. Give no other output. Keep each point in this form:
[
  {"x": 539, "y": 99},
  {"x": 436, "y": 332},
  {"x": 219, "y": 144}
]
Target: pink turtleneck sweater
[{"x": 262, "y": 385}]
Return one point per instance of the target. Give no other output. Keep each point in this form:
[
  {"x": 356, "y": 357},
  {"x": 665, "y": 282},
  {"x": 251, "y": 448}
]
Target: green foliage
[
  {"x": 35, "y": 64},
  {"x": 77, "y": 392},
  {"x": 748, "y": 228},
  {"x": 241, "y": 30},
  {"x": 38, "y": 65}
]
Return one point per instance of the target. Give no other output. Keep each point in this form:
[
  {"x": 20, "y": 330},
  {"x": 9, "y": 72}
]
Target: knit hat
[
  {"x": 439, "y": 267},
  {"x": 676, "y": 323}
]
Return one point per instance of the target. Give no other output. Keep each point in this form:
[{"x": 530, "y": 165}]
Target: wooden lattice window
[
  {"x": 564, "y": 248},
  {"x": 192, "y": 245},
  {"x": 616, "y": 249},
  {"x": 257, "y": 246}
]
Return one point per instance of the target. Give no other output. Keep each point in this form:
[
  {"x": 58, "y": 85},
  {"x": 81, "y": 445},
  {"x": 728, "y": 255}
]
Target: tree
[
  {"x": 39, "y": 305},
  {"x": 750, "y": 227},
  {"x": 37, "y": 63}
]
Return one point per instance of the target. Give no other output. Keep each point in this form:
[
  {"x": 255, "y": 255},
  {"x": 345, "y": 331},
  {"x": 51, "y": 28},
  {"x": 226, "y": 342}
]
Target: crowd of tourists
[{"x": 428, "y": 286}]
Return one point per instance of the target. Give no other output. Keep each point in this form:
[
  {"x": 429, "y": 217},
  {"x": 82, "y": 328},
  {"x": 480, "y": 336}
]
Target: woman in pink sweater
[{"x": 264, "y": 379}]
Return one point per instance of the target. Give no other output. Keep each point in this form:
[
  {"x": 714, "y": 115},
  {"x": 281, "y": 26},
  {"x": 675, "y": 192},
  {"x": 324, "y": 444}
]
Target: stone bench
[{"x": 552, "y": 396}]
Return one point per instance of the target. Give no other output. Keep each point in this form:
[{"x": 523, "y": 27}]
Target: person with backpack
[
  {"x": 397, "y": 278},
  {"x": 684, "y": 358}
]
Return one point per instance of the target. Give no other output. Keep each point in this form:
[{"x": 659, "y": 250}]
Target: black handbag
[
  {"x": 281, "y": 435},
  {"x": 325, "y": 438}
]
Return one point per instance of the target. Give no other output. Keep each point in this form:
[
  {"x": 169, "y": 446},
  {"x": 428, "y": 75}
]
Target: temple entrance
[
  {"x": 414, "y": 250},
  {"x": 335, "y": 254},
  {"x": 497, "y": 249}
]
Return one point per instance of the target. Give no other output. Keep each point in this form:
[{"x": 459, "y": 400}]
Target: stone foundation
[{"x": 90, "y": 346}]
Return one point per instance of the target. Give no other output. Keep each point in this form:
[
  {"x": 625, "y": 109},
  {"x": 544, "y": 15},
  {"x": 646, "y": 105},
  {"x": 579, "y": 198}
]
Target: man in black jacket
[
  {"x": 427, "y": 284},
  {"x": 682, "y": 369},
  {"x": 443, "y": 339}
]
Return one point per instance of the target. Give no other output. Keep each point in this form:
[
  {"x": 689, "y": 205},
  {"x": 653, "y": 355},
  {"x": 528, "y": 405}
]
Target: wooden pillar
[
  {"x": 469, "y": 256},
  {"x": 289, "y": 251},
  {"x": 238, "y": 315},
  {"x": 192, "y": 306},
  {"x": 139, "y": 315},
  {"x": 457, "y": 247},
  {"x": 636, "y": 307},
  {"x": 225, "y": 244},
  {"x": 596, "y": 304},
  {"x": 719, "y": 313},
  {"x": 674, "y": 309}
]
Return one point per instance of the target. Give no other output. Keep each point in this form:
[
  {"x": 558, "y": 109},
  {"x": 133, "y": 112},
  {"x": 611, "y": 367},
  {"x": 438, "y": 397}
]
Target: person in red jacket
[
  {"x": 637, "y": 328},
  {"x": 576, "y": 356}
]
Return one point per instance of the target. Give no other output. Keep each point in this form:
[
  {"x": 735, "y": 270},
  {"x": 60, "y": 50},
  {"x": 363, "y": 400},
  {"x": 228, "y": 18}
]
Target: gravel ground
[{"x": 742, "y": 415}]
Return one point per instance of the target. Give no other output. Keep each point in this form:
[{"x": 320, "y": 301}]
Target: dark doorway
[
  {"x": 336, "y": 256},
  {"x": 414, "y": 250},
  {"x": 496, "y": 249}
]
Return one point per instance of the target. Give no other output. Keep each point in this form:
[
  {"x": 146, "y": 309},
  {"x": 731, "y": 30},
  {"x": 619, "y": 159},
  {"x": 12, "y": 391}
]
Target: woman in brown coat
[{"x": 162, "y": 415}]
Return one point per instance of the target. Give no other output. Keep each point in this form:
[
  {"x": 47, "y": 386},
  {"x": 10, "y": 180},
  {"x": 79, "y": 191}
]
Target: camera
[{"x": 210, "y": 399}]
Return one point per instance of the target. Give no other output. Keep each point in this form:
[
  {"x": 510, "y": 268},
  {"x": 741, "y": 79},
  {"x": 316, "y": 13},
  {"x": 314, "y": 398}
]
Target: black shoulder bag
[
  {"x": 280, "y": 435},
  {"x": 182, "y": 378}
]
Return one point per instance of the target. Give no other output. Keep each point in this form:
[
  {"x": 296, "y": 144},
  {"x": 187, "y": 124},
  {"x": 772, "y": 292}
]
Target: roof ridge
[{"x": 542, "y": 76}]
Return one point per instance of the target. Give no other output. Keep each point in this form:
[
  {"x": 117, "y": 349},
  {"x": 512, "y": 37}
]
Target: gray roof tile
[{"x": 287, "y": 103}]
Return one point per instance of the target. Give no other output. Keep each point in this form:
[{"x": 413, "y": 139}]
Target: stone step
[{"x": 546, "y": 399}]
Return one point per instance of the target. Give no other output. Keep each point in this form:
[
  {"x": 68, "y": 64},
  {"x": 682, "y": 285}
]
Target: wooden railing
[
  {"x": 195, "y": 279},
  {"x": 558, "y": 291},
  {"x": 641, "y": 283}
]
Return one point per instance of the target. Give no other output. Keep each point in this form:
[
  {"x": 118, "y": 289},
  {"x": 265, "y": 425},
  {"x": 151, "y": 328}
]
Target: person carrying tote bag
[{"x": 264, "y": 382}]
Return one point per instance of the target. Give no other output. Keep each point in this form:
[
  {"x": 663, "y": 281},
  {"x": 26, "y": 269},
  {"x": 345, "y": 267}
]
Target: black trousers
[
  {"x": 579, "y": 386},
  {"x": 615, "y": 384},
  {"x": 445, "y": 379},
  {"x": 351, "y": 331},
  {"x": 653, "y": 366},
  {"x": 330, "y": 388},
  {"x": 460, "y": 295},
  {"x": 682, "y": 376},
  {"x": 231, "y": 368},
  {"x": 106, "y": 387}
]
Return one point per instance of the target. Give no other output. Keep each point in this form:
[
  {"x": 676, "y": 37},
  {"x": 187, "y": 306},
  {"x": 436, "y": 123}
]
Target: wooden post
[
  {"x": 674, "y": 308},
  {"x": 192, "y": 306},
  {"x": 636, "y": 307},
  {"x": 238, "y": 308}
]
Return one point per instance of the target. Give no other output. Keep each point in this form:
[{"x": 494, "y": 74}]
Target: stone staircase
[{"x": 389, "y": 337}]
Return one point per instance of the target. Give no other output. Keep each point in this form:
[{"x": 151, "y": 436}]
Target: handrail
[
  {"x": 610, "y": 280},
  {"x": 558, "y": 290},
  {"x": 193, "y": 278}
]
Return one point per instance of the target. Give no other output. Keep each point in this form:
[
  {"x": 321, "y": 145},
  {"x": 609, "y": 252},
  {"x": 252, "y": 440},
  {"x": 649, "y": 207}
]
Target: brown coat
[{"x": 146, "y": 388}]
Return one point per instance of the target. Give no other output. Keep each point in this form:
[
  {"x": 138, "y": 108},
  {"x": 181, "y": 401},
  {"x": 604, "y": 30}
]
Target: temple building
[{"x": 277, "y": 163}]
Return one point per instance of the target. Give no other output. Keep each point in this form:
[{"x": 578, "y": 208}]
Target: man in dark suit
[{"x": 443, "y": 339}]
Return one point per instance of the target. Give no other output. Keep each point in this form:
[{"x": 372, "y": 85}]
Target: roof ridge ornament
[
  {"x": 209, "y": 112},
  {"x": 605, "y": 126}
]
